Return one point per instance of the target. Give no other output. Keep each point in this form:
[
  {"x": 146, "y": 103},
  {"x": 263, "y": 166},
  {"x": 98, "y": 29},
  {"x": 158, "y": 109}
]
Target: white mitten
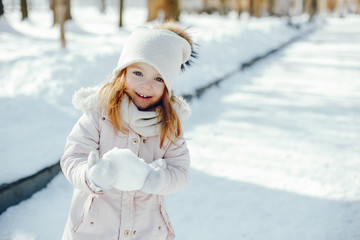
[
  {"x": 156, "y": 179},
  {"x": 101, "y": 173},
  {"x": 131, "y": 171}
]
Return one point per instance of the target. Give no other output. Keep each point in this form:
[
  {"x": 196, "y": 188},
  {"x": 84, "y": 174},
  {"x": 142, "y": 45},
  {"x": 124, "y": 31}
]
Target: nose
[{"x": 146, "y": 84}]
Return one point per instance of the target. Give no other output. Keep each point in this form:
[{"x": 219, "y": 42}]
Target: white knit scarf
[{"x": 144, "y": 123}]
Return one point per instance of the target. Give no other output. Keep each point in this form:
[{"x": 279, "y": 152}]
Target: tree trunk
[
  {"x": 153, "y": 9},
  {"x": 24, "y": 9},
  {"x": 310, "y": 7},
  {"x": 205, "y": 6},
  {"x": 330, "y": 5},
  {"x": 62, "y": 35},
  {"x": 238, "y": 7},
  {"x": 172, "y": 11},
  {"x": 223, "y": 7},
  {"x": 60, "y": 10},
  {"x": 52, "y": 7},
  {"x": 304, "y": 4},
  {"x": 307, "y": 6},
  {"x": 121, "y": 13},
  {"x": 251, "y": 7},
  {"x": 271, "y": 7},
  {"x": 1, "y": 8},
  {"x": 205, "y": 3},
  {"x": 314, "y": 7},
  {"x": 68, "y": 10},
  {"x": 66, "y": 4},
  {"x": 257, "y": 7},
  {"x": 357, "y": 11},
  {"x": 102, "y": 6}
]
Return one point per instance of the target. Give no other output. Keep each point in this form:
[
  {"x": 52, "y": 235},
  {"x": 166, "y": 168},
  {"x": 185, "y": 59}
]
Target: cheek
[
  {"x": 160, "y": 91},
  {"x": 128, "y": 83}
]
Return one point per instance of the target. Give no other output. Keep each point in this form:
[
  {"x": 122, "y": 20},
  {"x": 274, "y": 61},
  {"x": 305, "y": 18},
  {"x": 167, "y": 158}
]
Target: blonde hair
[{"x": 111, "y": 95}]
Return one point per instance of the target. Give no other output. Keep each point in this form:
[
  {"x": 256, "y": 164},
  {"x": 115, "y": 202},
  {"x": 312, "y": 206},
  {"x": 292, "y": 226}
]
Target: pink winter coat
[{"x": 116, "y": 214}]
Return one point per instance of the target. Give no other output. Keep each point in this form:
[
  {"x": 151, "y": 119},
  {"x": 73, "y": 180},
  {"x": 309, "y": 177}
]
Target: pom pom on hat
[
  {"x": 179, "y": 30},
  {"x": 168, "y": 48}
]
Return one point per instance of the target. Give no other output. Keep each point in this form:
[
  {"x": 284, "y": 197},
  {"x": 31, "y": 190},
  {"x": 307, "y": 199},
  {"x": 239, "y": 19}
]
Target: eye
[
  {"x": 159, "y": 79},
  {"x": 137, "y": 73}
]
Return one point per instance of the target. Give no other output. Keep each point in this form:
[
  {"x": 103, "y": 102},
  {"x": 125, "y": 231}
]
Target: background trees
[{"x": 159, "y": 10}]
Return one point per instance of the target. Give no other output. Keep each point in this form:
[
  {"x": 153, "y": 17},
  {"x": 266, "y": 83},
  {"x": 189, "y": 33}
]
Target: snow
[
  {"x": 34, "y": 70},
  {"x": 128, "y": 174},
  {"x": 274, "y": 149}
]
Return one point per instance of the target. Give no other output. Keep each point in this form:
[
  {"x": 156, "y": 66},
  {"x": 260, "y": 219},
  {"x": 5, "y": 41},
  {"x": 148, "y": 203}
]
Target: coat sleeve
[
  {"x": 84, "y": 138},
  {"x": 171, "y": 173}
]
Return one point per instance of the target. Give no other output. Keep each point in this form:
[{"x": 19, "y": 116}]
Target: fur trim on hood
[{"x": 86, "y": 99}]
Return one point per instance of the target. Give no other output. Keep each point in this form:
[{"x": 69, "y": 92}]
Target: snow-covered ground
[
  {"x": 38, "y": 78},
  {"x": 275, "y": 149}
]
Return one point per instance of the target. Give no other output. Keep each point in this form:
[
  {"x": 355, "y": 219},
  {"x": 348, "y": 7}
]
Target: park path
[{"x": 283, "y": 140}]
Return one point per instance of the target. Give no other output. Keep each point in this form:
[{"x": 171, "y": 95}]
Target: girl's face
[{"x": 144, "y": 85}]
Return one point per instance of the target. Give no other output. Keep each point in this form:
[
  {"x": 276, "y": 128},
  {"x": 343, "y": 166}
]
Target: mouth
[{"x": 143, "y": 96}]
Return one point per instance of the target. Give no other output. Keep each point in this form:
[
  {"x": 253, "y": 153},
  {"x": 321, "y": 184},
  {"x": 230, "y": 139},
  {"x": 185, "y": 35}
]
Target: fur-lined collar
[{"x": 86, "y": 99}]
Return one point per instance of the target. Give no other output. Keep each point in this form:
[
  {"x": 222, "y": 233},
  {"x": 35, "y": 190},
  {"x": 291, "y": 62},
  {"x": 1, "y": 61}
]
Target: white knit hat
[{"x": 165, "y": 50}]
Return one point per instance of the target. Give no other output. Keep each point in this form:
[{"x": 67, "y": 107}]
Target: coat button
[
  {"x": 134, "y": 141},
  {"x": 134, "y": 232},
  {"x": 126, "y": 233},
  {"x": 144, "y": 140},
  {"x": 159, "y": 227},
  {"x": 170, "y": 225},
  {"x": 91, "y": 223},
  {"x": 103, "y": 118}
]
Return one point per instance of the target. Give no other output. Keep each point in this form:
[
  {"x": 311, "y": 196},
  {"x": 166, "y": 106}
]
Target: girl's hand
[
  {"x": 100, "y": 173},
  {"x": 130, "y": 171},
  {"x": 119, "y": 168}
]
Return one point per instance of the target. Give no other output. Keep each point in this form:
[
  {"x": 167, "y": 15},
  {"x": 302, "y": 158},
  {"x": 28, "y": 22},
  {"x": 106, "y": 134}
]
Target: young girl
[{"x": 126, "y": 152}]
